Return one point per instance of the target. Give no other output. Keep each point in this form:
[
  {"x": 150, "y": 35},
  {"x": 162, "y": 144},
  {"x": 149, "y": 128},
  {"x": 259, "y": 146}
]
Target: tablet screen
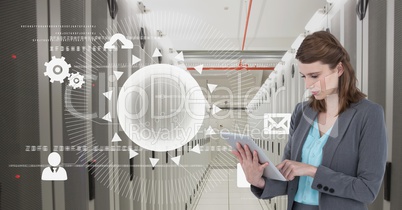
[{"x": 270, "y": 171}]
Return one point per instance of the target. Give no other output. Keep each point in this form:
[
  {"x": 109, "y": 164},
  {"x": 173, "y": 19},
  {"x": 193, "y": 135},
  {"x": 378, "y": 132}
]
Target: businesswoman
[{"x": 336, "y": 151}]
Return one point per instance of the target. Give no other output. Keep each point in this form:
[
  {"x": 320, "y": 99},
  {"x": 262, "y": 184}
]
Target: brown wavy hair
[{"x": 322, "y": 46}]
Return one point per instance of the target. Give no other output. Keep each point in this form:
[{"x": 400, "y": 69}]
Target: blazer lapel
[
  {"x": 307, "y": 119},
  {"x": 336, "y": 135}
]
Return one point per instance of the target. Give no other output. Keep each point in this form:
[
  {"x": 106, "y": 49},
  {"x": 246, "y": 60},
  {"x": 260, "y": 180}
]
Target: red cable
[{"x": 245, "y": 29}]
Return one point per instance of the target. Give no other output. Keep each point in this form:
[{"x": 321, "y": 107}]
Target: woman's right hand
[{"x": 251, "y": 165}]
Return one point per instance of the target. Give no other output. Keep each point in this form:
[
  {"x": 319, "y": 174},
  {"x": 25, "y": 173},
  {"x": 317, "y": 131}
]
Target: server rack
[{"x": 19, "y": 132}]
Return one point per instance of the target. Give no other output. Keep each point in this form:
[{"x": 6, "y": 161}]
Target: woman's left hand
[{"x": 290, "y": 169}]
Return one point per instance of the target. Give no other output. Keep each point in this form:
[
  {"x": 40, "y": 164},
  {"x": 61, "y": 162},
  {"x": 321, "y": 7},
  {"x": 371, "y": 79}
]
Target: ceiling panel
[{"x": 210, "y": 25}]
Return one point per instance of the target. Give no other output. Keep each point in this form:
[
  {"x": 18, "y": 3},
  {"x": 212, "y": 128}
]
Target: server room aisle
[{"x": 222, "y": 193}]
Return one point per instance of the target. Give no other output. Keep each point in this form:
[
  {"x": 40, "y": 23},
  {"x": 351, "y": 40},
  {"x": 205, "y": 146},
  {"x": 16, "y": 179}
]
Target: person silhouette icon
[{"x": 54, "y": 172}]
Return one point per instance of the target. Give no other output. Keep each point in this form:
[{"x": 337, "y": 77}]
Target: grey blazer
[{"x": 353, "y": 162}]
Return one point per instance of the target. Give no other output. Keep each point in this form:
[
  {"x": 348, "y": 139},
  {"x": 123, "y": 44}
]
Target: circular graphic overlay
[{"x": 161, "y": 107}]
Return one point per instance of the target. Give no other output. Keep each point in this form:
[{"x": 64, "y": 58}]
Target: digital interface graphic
[
  {"x": 161, "y": 107},
  {"x": 122, "y": 104},
  {"x": 54, "y": 172}
]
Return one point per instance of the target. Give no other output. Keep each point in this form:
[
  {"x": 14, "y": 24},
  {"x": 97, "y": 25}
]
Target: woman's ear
[{"x": 340, "y": 69}]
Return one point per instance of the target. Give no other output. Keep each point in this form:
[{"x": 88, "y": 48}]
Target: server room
[{"x": 201, "y": 105}]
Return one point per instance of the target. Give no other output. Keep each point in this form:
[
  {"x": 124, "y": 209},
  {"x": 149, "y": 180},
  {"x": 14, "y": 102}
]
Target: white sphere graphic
[{"x": 161, "y": 107}]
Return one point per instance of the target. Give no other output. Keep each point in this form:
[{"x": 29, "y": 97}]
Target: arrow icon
[
  {"x": 116, "y": 138},
  {"x": 212, "y": 87},
  {"x": 196, "y": 149},
  {"x": 199, "y": 68},
  {"x": 210, "y": 131},
  {"x": 215, "y": 109},
  {"x": 118, "y": 74},
  {"x": 180, "y": 56},
  {"x": 176, "y": 160},
  {"x": 157, "y": 53},
  {"x": 153, "y": 161},
  {"x": 135, "y": 60},
  {"x": 108, "y": 94},
  {"x": 107, "y": 117},
  {"x": 132, "y": 153}
]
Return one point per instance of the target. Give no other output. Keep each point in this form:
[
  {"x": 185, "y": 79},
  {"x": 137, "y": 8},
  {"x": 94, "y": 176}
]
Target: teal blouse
[{"x": 312, "y": 155}]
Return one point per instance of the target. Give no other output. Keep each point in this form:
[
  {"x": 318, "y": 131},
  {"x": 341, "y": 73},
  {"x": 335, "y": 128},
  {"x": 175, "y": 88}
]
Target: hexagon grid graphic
[{"x": 161, "y": 107}]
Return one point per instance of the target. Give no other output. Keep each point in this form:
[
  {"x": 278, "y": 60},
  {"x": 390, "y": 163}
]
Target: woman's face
[{"x": 320, "y": 79}]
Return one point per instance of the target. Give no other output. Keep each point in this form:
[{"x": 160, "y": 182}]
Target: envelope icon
[{"x": 276, "y": 123}]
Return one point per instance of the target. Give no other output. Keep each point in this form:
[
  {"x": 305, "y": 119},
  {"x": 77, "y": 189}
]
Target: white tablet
[{"x": 270, "y": 171}]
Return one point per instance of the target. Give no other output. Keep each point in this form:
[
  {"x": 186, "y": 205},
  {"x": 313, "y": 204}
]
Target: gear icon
[
  {"x": 76, "y": 80},
  {"x": 57, "y": 69}
]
